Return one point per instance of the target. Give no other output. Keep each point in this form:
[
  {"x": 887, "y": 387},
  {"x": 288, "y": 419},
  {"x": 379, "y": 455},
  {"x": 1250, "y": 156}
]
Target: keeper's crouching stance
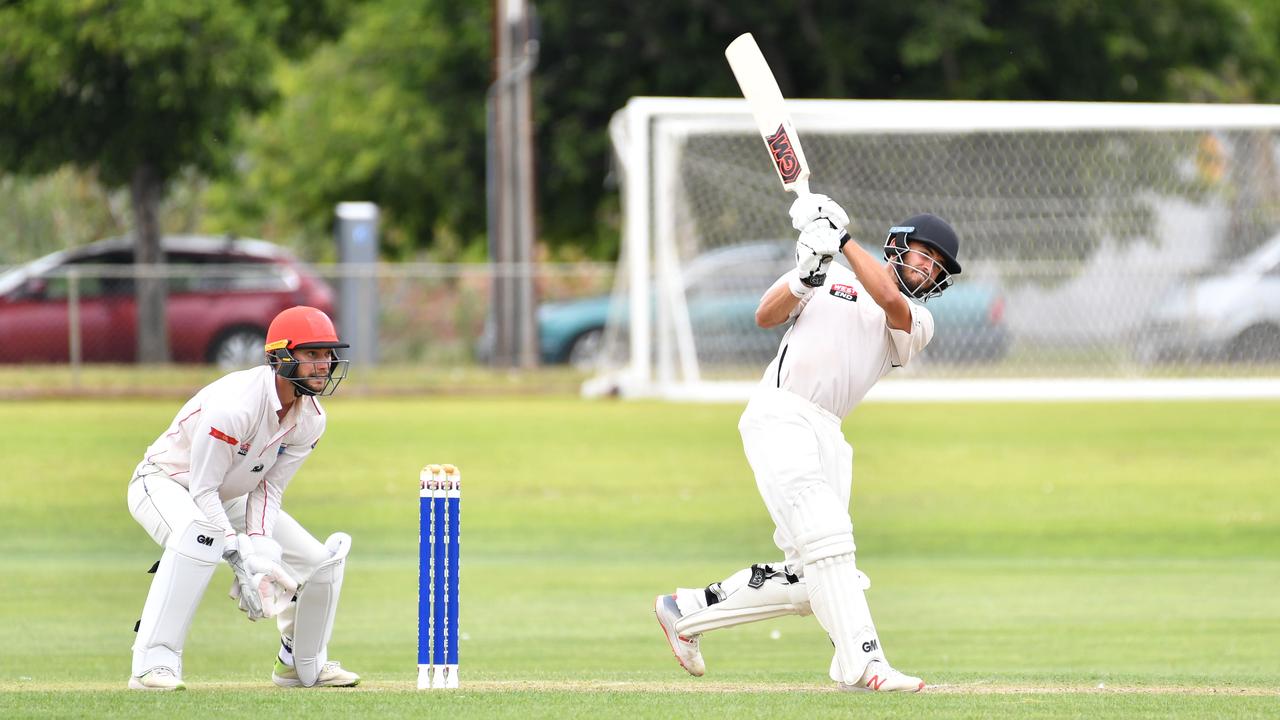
[
  {"x": 849, "y": 331},
  {"x": 210, "y": 488}
]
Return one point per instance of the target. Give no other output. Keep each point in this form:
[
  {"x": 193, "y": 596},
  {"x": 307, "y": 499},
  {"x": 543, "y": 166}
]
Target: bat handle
[{"x": 800, "y": 188}]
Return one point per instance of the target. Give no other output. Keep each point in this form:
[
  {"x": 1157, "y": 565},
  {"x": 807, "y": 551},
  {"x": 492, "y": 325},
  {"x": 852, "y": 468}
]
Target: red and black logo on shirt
[{"x": 844, "y": 292}]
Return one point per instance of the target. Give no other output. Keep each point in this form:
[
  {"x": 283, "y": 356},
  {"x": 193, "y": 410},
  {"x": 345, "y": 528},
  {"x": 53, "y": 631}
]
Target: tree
[
  {"x": 392, "y": 112},
  {"x": 596, "y": 55},
  {"x": 138, "y": 91}
]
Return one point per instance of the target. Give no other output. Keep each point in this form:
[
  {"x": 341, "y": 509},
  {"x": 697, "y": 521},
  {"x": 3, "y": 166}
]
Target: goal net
[{"x": 1100, "y": 242}]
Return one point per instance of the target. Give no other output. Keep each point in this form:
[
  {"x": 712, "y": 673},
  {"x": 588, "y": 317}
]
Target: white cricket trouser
[
  {"x": 792, "y": 446},
  {"x": 162, "y": 506}
]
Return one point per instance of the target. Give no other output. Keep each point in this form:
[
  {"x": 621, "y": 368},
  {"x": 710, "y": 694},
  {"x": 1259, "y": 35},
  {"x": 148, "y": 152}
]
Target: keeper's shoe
[
  {"x": 687, "y": 649},
  {"x": 879, "y": 677},
  {"x": 331, "y": 675},
  {"x": 157, "y": 678}
]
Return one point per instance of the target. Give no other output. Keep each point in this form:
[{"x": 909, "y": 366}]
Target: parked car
[
  {"x": 1230, "y": 314},
  {"x": 217, "y": 313},
  {"x": 723, "y": 288}
]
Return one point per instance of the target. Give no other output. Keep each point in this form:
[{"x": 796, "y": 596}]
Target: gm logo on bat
[{"x": 784, "y": 155}]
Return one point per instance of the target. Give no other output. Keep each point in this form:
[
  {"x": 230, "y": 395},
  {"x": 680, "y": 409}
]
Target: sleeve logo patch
[
  {"x": 216, "y": 433},
  {"x": 844, "y": 292}
]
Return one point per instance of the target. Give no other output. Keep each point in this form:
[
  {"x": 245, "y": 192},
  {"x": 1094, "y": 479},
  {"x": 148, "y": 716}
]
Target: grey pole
[
  {"x": 509, "y": 184},
  {"x": 357, "y": 237},
  {"x": 73, "y": 325}
]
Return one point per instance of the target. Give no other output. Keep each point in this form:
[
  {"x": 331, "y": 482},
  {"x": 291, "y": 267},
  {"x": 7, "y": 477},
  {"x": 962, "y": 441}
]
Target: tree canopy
[
  {"x": 138, "y": 91},
  {"x": 393, "y": 109}
]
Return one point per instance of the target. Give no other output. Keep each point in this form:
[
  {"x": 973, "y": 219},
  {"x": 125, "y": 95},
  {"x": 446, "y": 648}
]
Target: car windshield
[
  {"x": 230, "y": 273},
  {"x": 199, "y": 265},
  {"x": 14, "y": 278}
]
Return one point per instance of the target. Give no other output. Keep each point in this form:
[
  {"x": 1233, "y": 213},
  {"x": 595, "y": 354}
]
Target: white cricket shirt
[
  {"x": 227, "y": 442},
  {"x": 841, "y": 344}
]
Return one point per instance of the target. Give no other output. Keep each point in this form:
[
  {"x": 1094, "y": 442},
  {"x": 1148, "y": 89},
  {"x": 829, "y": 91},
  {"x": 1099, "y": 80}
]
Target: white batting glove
[
  {"x": 815, "y": 249},
  {"x": 808, "y": 208},
  {"x": 824, "y": 239}
]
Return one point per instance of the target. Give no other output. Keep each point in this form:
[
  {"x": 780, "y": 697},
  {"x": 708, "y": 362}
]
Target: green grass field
[{"x": 1028, "y": 560}]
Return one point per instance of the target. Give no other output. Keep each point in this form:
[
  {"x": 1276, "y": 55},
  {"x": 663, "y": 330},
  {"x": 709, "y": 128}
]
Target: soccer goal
[{"x": 1111, "y": 250}]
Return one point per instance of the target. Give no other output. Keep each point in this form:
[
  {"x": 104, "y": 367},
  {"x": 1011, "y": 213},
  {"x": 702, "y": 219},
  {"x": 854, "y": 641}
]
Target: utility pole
[{"x": 510, "y": 186}]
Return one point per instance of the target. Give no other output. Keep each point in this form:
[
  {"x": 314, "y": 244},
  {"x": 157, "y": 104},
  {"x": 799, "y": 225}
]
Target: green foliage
[
  {"x": 394, "y": 113},
  {"x": 69, "y": 207},
  {"x": 113, "y": 85},
  {"x": 595, "y": 57},
  {"x": 53, "y": 212}
]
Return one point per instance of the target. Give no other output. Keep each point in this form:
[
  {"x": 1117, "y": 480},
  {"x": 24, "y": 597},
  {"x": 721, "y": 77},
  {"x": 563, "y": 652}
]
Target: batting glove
[
  {"x": 815, "y": 249},
  {"x": 808, "y": 208}
]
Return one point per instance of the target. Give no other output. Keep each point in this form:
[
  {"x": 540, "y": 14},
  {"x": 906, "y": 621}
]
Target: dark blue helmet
[{"x": 934, "y": 232}]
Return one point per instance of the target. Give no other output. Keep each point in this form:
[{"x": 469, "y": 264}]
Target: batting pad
[
  {"x": 751, "y": 594},
  {"x": 181, "y": 578},
  {"x": 837, "y": 599},
  {"x": 317, "y": 606}
]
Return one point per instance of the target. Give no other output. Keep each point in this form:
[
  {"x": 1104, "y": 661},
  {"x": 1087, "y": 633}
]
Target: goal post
[{"x": 1099, "y": 241}]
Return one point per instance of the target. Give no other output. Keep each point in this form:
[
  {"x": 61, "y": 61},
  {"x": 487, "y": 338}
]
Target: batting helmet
[
  {"x": 304, "y": 328},
  {"x": 933, "y": 232}
]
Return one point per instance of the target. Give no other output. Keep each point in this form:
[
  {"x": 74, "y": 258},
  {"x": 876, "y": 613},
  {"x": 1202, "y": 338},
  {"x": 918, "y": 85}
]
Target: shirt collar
[
  {"x": 308, "y": 403},
  {"x": 273, "y": 397}
]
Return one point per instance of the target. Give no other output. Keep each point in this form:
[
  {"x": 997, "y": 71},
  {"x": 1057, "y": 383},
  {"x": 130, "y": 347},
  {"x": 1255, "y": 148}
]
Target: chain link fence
[{"x": 80, "y": 314}]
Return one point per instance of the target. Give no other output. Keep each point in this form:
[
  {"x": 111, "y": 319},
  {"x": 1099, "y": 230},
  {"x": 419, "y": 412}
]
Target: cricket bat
[{"x": 770, "y": 112}]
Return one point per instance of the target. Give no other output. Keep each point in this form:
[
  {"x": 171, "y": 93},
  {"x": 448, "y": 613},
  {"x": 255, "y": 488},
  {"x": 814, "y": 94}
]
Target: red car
[{"x": 223, "y": 293}]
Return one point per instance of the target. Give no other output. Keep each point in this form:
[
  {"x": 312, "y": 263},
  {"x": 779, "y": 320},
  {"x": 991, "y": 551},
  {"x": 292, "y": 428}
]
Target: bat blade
[{"x": 770, "y": 112}]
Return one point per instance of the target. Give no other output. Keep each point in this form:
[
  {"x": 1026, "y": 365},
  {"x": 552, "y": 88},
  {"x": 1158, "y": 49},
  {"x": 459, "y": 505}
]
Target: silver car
[{"x": 1233, "y": 315}]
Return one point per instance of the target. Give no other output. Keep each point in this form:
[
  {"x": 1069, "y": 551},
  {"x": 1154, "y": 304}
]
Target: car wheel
[
  {"x": 584, "y": 353},
  {"x": 1257, "y": 344},
  {"x": 239, "y": 348}
]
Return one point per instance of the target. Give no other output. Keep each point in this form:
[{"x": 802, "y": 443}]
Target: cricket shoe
[
  {"x": 687, "y": 649},
  {"x": 157, "y": 678},
  {"x": 879, "y": 677},
  {"x": 331, "y": 675}
]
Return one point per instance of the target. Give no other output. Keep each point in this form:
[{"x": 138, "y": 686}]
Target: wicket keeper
[{"x": 210, "y": 488}]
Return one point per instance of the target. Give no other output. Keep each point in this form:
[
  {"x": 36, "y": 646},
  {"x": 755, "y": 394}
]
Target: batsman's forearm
[
  {"x": 776, "y": 306},
  {"x": 876, "y": 278}
]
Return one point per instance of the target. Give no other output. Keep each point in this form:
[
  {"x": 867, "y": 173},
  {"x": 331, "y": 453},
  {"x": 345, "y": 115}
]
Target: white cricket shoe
[
  {"x": 157, "y": 678},
  {"x": 687, "y": 649},
  {"x": 331, "y": 675},
  {"x": 879, "y": 677}
]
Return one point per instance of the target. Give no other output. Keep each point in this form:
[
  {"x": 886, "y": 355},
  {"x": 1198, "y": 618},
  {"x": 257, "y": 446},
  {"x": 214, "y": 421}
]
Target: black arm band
[{"x": 844, "y": 238}]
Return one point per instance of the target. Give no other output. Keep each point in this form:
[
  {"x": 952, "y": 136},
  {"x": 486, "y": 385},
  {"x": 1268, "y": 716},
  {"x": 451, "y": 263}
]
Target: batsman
[
  {"x": 850, "y": 328},
  {"x": 209, "y": 489}
]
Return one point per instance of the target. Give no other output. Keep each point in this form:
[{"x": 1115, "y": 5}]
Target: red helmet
[
  {"x": 304, "y": 328},
  {"x": 301, "y": 326}
]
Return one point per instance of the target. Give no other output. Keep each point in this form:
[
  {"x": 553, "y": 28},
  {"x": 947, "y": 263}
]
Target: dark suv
[{"x": 223, "y": 292}]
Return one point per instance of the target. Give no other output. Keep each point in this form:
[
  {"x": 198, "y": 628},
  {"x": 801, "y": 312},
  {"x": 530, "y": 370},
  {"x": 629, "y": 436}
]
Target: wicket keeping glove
[{"x": 261, "y": 587}]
